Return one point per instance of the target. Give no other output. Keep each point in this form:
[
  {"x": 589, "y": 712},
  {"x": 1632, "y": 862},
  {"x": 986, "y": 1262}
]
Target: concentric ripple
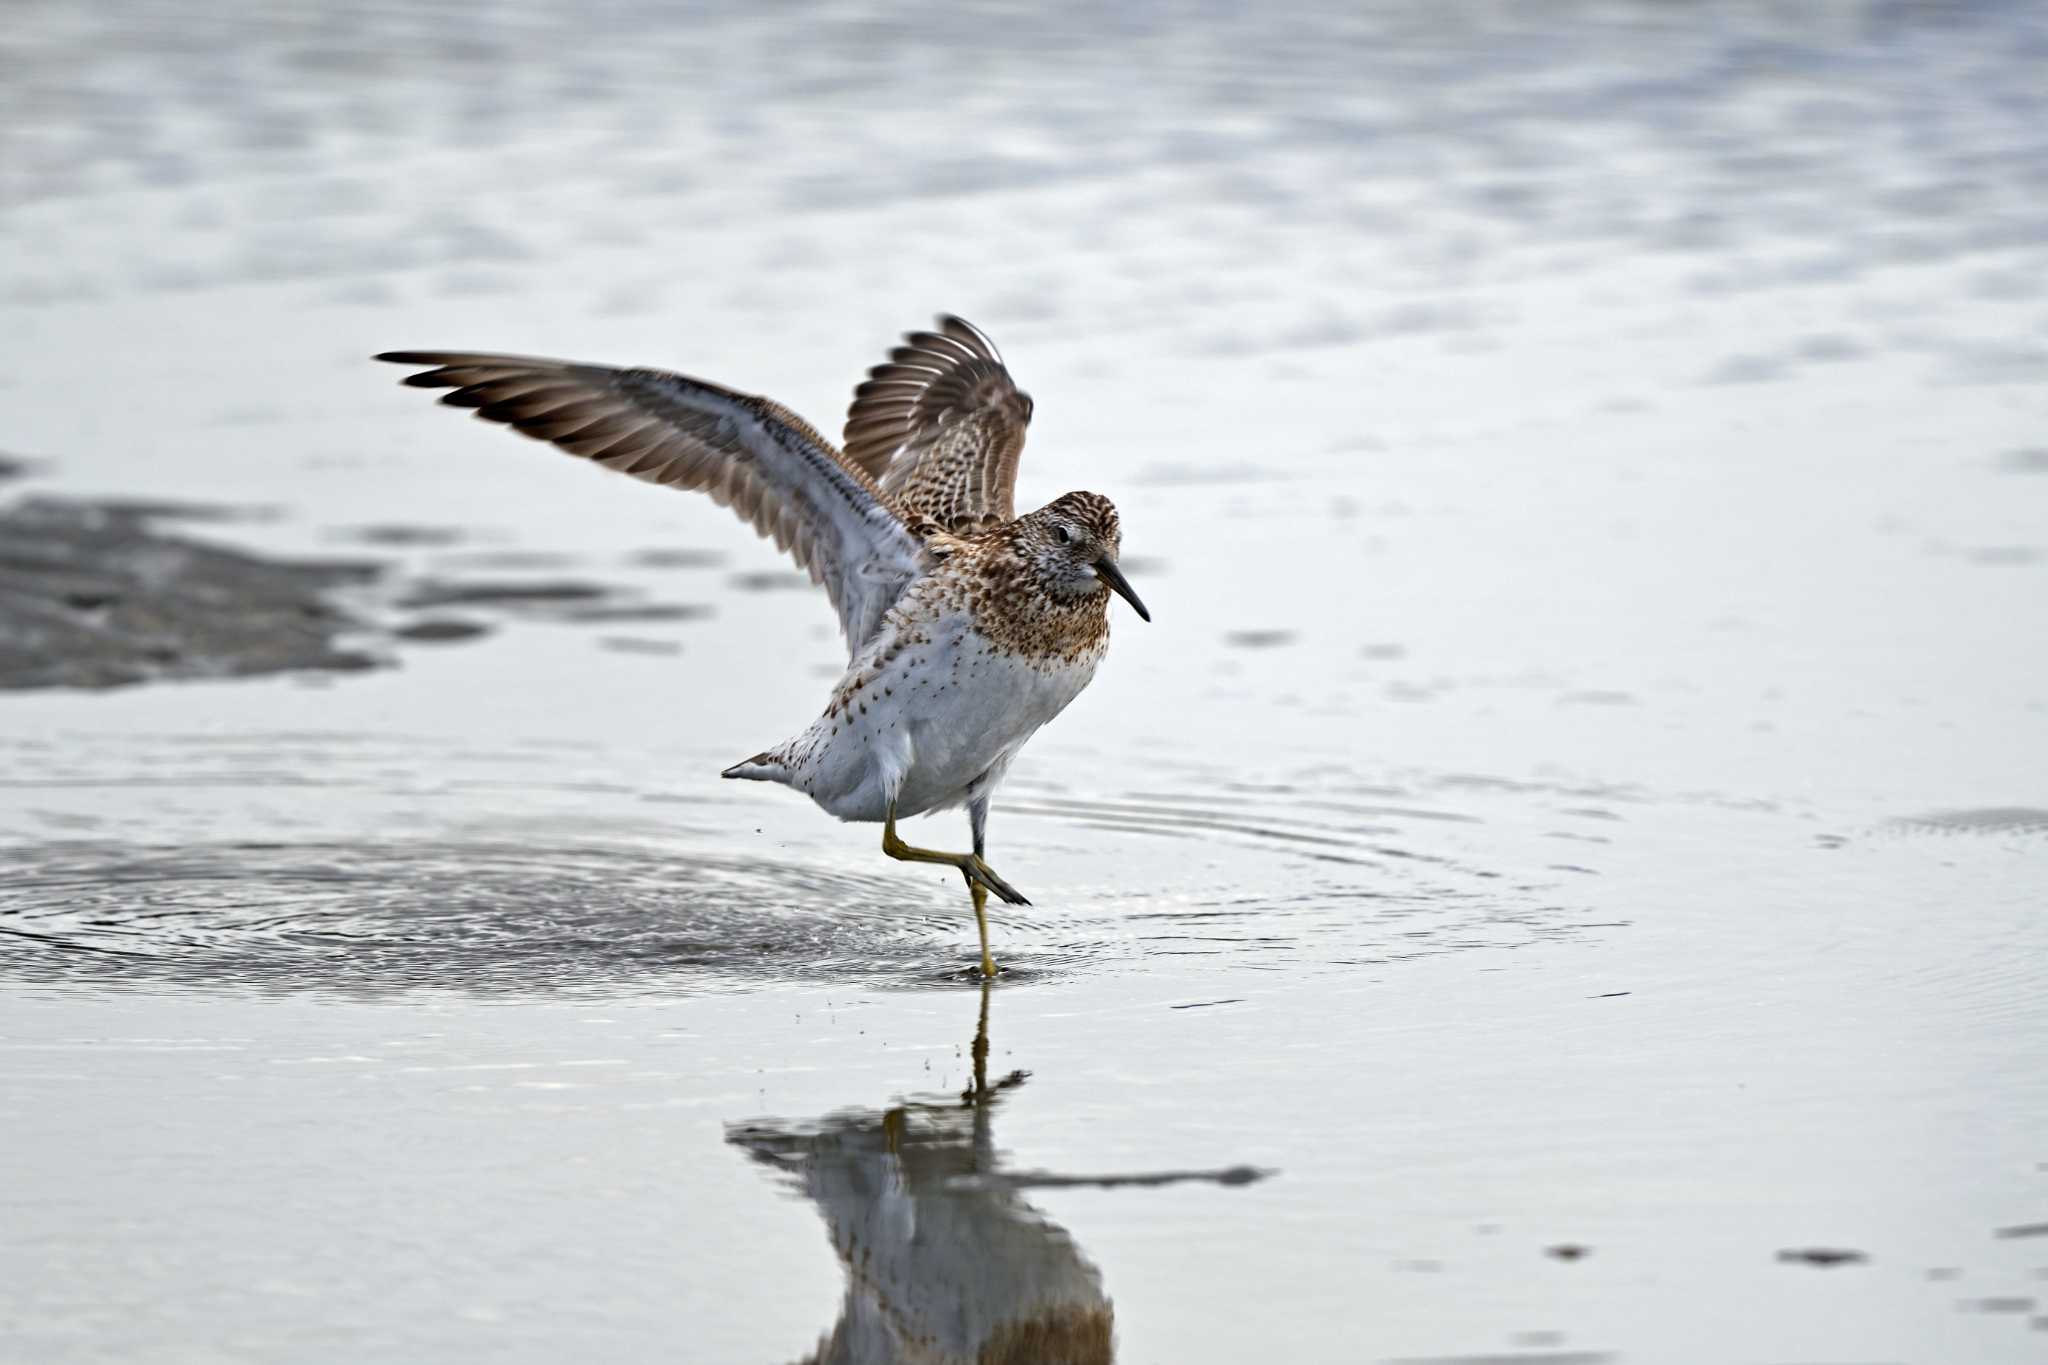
[{"x": 464, "y": 916}]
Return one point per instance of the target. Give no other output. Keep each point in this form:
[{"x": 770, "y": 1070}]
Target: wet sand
[
  {"x": 1559, "y": 880},
  {"x": 103, "y": 594},
  {"x": 94, "y": 595}
]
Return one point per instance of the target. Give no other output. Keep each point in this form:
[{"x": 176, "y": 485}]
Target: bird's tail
[{"x": 762, "y": 767}]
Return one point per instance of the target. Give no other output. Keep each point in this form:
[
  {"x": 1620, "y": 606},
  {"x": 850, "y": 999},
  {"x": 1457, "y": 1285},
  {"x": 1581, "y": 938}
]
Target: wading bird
[{"x": 968, "y": 626}]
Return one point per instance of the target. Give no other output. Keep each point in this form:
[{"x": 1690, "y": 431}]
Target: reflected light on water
[{"x": 945, "y": 1261}]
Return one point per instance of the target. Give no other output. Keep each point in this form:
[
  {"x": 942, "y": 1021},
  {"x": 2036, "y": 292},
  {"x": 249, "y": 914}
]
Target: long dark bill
[{"x": 1121, "y": 586}]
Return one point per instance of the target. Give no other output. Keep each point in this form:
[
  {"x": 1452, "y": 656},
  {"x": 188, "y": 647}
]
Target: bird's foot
[{"x": 978, "y": 873}]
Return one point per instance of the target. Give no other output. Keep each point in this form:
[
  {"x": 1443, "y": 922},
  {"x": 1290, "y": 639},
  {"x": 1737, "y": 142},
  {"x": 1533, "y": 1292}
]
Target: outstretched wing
[
  {"x": 941, "y": 428},
  {"x": 749, "y": 454}
]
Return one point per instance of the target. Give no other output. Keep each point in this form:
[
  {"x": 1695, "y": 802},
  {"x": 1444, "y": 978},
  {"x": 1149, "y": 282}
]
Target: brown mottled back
[{"x": 940, "y": 427}]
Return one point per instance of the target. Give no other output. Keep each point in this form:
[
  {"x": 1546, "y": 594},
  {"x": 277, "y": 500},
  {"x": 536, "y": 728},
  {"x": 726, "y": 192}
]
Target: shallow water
[{"x": 1566, "y": 859}]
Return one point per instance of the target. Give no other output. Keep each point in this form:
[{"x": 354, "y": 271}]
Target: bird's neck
[{"x": 1015, "y": 609}]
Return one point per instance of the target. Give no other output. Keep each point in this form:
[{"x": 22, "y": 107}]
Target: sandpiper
[{"x": 968, "y": 627}]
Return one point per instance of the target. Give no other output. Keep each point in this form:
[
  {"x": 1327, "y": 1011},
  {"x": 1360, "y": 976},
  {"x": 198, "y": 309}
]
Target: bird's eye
[{"x": 1066, "y": 537}]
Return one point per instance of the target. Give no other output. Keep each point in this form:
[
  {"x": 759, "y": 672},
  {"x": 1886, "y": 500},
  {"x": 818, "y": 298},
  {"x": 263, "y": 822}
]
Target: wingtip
[
  {"x": 953, "y": 325},
  {"x": 426, "y": 360}
]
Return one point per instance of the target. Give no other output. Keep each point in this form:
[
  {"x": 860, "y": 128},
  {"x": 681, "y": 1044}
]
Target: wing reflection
[{"x": 945, "y": 1261}]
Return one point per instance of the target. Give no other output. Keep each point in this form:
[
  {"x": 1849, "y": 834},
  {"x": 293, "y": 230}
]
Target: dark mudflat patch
[
  {"x": 96, "y": 595},
  {"x": 1824, "y": 1257},
  {"x": 170, "y": 509},
  {"x": 571, "y": 601},
  {"x": 404, "y": 535},
  {"x": 770, "y": 580},
  {"x": 548, "y": 594},
  {"x": 442, "y": 630},
  {"x": 92, "y": 595}
]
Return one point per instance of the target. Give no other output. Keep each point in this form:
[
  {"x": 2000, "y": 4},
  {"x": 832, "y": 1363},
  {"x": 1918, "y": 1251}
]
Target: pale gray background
[{"x": 1589, "y": 468}]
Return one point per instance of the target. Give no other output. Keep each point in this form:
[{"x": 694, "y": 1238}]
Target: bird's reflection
[{"x": 945, "y": 1261}]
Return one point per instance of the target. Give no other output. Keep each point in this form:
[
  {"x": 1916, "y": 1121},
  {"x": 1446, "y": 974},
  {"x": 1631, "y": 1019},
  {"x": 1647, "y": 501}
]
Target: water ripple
[{"x": 466, "y": 916}]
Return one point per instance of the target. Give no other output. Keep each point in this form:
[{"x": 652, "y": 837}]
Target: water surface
[{"x": 1559, "y": 880}]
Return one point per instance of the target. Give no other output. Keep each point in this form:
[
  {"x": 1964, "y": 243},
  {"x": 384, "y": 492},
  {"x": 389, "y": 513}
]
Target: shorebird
[
  {"x": 968, "y": 627},
  {"x": 946, "y": 1260}
]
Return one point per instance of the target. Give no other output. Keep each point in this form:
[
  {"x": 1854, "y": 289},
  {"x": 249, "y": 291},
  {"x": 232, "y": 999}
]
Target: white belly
[{"x": 928, "y": 719}]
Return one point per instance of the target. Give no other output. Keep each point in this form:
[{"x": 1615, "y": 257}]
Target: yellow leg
[
  {"x": 971, "y": 865},
  {"x": 980, "y": 894},
  {"x": 981, "y": 879}
]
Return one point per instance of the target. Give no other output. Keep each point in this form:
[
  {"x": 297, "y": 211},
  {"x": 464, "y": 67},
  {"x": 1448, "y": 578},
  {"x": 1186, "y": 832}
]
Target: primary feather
[
  {"x": 940, "y": 425},
  {"x": 749, "y": 454}
]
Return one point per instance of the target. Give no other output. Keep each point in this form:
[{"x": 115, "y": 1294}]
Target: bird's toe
[
  {"x": 979, "y": 872},
  {"x": 1010, "y": 894}
]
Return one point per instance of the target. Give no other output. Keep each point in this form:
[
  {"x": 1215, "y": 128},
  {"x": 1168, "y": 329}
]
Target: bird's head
[{"x": 1073, "y": 541}]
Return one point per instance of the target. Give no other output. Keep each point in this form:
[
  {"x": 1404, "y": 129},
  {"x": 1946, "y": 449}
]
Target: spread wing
[
  {"x": 941, "y": 428},
  {"x": 749, "y": 454}
]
